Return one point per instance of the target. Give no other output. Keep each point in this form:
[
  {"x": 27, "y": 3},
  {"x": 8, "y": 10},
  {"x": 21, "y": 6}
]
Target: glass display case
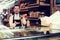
[{"x": 27, "y": 33}]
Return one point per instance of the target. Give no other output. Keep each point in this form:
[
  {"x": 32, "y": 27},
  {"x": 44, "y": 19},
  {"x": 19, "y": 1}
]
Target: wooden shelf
[
  {"x": 57, "y": 5},
  {"x": 44, "y": 4},
  {"x": 32, "y": 6},
  {"x": 23, "y": 10},
  {"x": 28, "y": 7},
  {"x": 32, "y": 17}
]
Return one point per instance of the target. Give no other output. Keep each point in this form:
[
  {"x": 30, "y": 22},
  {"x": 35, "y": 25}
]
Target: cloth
[{"x": 16, "y": 16}]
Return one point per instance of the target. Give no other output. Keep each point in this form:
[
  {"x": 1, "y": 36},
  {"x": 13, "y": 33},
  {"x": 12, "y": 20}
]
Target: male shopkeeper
[{"x": 15, "y": 17}]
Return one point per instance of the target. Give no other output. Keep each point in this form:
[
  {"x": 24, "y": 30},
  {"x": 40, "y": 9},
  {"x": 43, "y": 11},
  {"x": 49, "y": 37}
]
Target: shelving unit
[
  {"x": 45, "y": 6},
  {"x": 41, "y": 3}
]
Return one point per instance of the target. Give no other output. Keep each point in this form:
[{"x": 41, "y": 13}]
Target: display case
[
  {"x": 16, "y": 33},
  {"x": 35, "y": 33}
]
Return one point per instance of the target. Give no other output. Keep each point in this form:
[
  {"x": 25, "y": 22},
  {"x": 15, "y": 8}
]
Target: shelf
[
  {"x": 33, "y": 17},
  {"x": 44, "y": 4},
  {"x": 26, "y": 8},
  {"x": 57, "y": 5},
  {"x": 29, "y": 7}
]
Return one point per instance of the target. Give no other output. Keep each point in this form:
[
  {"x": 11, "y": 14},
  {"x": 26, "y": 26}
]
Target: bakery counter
[
  {"x": 17, "y": 33},
  {"x": 28, "y": 33}
]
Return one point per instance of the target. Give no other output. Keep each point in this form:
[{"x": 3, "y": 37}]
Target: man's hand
[{"x": 17, "y": 22}]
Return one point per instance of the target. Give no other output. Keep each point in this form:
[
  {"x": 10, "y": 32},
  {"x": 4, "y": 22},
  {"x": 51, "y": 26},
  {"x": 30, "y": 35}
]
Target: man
[{"x": 14, "y": 19}]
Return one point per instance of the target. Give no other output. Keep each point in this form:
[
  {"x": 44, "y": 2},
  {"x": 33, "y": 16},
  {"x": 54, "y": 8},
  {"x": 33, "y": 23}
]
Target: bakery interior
[{"x": 39, "y": 20}]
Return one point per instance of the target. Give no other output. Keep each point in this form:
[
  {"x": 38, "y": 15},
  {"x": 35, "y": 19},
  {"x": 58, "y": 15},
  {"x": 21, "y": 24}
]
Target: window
[{"x": 57, "y": 1}]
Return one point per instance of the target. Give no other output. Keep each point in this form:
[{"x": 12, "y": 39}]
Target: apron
[{"x": 18, "y": 25}]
